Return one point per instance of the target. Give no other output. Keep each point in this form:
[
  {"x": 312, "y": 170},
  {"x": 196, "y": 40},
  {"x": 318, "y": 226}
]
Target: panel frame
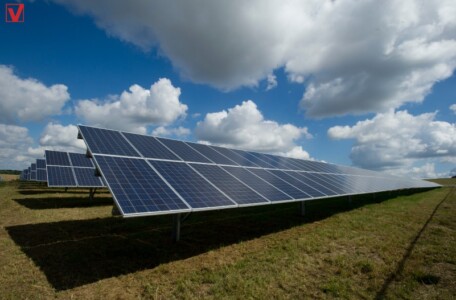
[
  {"x": 354, "y": 176},
  {"x": 143, "y": 214}
]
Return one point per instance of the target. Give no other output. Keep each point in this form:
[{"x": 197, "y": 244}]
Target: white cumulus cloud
[
  {"x": 28, "y": 99},
  {"x": 135, "y": 109},
  {"x": 272, "y": 82},
  {"x": 453, "y": 108},
  {"x": 244, "y": 127},
  {"x": 353, "y": 56},
  {"x": 14, "y": 142},
  {"x": 59, "y": 138},
  {"x": 395, "y": 140},
  {"x": 167, "y": 131}
]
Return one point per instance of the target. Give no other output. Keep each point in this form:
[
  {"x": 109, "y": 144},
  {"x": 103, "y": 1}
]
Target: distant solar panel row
[
  {"x": 150, "y": 175},
  {"x": 66, "y": 169},
  {"x": 36, "y": 171},
  {"x": 41, "y": 173}
]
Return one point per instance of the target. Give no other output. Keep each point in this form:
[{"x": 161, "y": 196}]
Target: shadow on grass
[
  {"x": 64, "y": 202},
  {"x": 75, "y": 253},
  {"x": 52, "y": 191},
  {"x": 426, "y": 279}
]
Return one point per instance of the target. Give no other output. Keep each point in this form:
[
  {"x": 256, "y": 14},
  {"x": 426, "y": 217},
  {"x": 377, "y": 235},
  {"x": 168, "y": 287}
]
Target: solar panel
[
  {"x": 150, "y": 147},
  {"x": 184, "y": 151},
  {"x": 300, "y": 184},
  {"x": 106, "y": 141},
  {"x": 259, "y": 185},
  {"x": 235, "y": 189},
  {"x": 41, "y": 164},
  {"x": 80, "y": 160},
  {"x": 251, "y": 159},
  {"x": 281, "y": 184},
  {"x": 239, "y": 159},
  {"x": 137, "y": 188},
  {"x": 41, "y": 175},
  {"x": 197, "y": 191},
  {"x": 56, "y": 158},
  {"x": 212, "y": 154},
  {"x": 151, "y": 175},
  {"x": 85, "y": 177},
  {"x": 314, "y": 180},
  {"x": 80, "y": 168},
  {"x": 60, "y": 177},
  {"x": 33, "y": 166}
]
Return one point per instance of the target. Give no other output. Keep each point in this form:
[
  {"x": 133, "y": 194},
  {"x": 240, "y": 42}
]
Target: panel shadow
[
  {"x": 64, "y": 202},
  {"x": 75, "y": 253}
]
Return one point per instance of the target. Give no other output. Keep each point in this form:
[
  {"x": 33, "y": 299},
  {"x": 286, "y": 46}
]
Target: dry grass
[
  {"x": 445, "y": 181},
  {"x": 8, "y": 177},
  {"x": 61, "y": 245}
]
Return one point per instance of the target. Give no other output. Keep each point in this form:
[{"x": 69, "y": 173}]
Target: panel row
[
  {"x": 110, "y": 142},
  {"x": 64, "y": 176},
  {"x": 66, "y": 169},
  {"x": 59, "y": 158},
  {"x": 144, "y": 186}
]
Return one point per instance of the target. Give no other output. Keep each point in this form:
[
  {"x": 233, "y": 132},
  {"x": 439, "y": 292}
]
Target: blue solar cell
[
  {"x": 259, "y": 185},
  {"x": 303, "y": 186},
  {"x": 41, "y": 175},
  {"x": 280, "y": 184},
  {"x": 213, "y": 155},
  {"x": 41, "y": 164},
  {"x": 57, "y": 158},
  {"x": 60, "y": 176},
  {"x": 324, "y": 167},
  {"x": 322, "y": 183},
  {"x": 184, "y": 151},
  {"x": 315, "y": 184},
  {"x": 105, "y": 141},
  {"x": 228, "y": 184},
  {"x": 137, "y": 188},
  {"x": 33, "y": 175},
  {"x": 302, "y": 165},
  {"x": 232, "y": 155},
  {"x": 150, "y": 147},
  {"x": 275, "y": 162},
  {"x": 85, "y": 177},
  {"x": 80, "y": 160},
  {"x": 338, "y": 181},
  {"x": 195, "y": 190},
  {"x": 33, "y": 167},
  {"x": 256, "y": 159}
]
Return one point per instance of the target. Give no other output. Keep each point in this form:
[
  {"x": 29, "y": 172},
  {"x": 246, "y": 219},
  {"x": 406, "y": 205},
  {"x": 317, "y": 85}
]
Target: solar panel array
[
  {"x": 41, "y": 173},
  {"x": 149, "y": 175},
  {"x": 66, "y": 169}
]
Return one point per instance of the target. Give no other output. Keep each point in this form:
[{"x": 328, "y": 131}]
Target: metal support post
[
  {"x": 66, "y": 189},
  {"x": 176, "y": 227},
  {"x": 303, "y": 208},
  {"x": 92, "y": 193}
]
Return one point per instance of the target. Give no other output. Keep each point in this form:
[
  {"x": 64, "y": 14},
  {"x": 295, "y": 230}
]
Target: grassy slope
[{"x": 56, "y": 244}]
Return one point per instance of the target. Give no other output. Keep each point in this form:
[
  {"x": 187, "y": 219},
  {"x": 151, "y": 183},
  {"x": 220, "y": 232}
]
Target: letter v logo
[{"x": 14, "y": 13}]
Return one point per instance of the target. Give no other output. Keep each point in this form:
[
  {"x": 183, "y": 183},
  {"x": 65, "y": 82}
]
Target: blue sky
[{"x": 305, "y": 80}]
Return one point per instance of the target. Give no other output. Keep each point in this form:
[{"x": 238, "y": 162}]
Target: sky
[{"x": 365, "y": 83}]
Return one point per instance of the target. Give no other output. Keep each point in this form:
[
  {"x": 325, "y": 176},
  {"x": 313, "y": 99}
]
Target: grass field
[
  {"x": 56, "y": 244},
  {"x": 8, "y": 177}
]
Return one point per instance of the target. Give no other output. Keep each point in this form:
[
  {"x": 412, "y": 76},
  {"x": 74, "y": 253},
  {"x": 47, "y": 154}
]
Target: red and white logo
[{"x": 14, "y": 13}]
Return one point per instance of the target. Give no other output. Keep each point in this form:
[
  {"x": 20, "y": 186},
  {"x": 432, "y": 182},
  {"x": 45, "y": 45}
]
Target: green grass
[{"x": 56, "y": 244}]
